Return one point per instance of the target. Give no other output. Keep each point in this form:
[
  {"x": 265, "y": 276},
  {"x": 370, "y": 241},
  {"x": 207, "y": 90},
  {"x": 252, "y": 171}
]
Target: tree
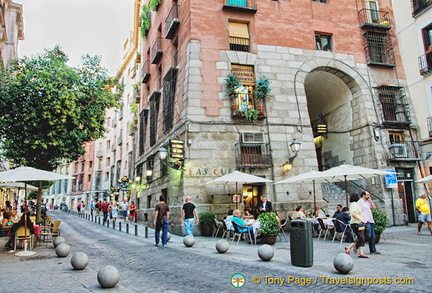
[{"x": 50, "y": 110}]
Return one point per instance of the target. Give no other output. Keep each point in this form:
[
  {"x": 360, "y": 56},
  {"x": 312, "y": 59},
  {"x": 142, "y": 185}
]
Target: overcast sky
[{"x": 95, "y": 27}]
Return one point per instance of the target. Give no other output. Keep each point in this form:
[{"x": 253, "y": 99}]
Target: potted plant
[
  {"x": 381, "y": 221},
  {"x": 232, "y": 84},
  {"x": 206, "y": 222},
  {"x": 249, "y": 114},
  {"x": 145, "y": 20},
  {"x": 269, "y": 227},
  {"x": 262, "y": 88}
]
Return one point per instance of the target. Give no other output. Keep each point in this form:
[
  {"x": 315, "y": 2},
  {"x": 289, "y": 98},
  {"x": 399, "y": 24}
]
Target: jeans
[
  {"x": 189, "y": 223},
  {"x": 370, "y": 234},
  {"x": 161, "y": 224}
]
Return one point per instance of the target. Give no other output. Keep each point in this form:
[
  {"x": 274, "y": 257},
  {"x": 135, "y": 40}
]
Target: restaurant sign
[
  {"x": 196, "y": 172},
  {"x": 244, "y": 74}
]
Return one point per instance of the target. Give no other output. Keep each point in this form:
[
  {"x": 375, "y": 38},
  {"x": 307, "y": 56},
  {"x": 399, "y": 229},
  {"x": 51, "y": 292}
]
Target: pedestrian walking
[
  {"x": 358, "y": 226},
  {"x": 160, "y": 221},
  {"x": 92, "y": 206},
  {"x": 423, "y": 207},
  {"x": 189, "y": 211},
  {"x": 104, "y": 208},
  {"x": 124, "y": 208},
  {"x": 114, "y": 210},
  {"x": 366, "y": 205},
  {"x": 132, "y": 212}
]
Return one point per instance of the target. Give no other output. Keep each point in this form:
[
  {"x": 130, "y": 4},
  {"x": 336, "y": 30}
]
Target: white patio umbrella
[
  {"x": 427, "y": 179},
  {"x": 308, "y": 177},
  {"x": 238, "y": 177},
  {"x": 18, "y": 185},
  {"x": 345, "y": 172},
  {"x": 29, "y": 174}
]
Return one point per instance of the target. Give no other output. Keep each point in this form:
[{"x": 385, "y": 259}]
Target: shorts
[
  {"x": 124, "y": 213},
  {"x": 424, "y": 217}
]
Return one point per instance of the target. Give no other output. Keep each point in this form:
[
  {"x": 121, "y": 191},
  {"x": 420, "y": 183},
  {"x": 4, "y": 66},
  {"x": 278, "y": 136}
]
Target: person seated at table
[
  {"x": 299, "y": 213},
  {"x": 338, "y": 210},
  {"x": 319, "y": 213},
  {"x": 228, "y": 220},
  {"x": 344, "y": 218},
  {"x": 25, "y": 218},
  {"x": 247, "y": 215},
  {"x": 242, "y": 225},
  {"x": 6, "y": 224}
]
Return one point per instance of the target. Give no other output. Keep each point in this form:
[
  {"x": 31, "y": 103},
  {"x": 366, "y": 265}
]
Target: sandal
[
  {"x": 363, "y": 256},
  {"x": 347, "y": 251}
]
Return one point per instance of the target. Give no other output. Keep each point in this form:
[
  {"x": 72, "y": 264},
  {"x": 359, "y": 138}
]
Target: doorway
[{"x": 406, "y": 193}]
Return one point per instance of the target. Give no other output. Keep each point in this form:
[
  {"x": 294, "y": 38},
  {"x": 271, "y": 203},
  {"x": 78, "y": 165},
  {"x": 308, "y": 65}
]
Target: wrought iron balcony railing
[
  {"x": 404, "y": 151},
  {"x": 379, "y": 49},
  {"x": 425, "y": 63},
  {"x": 419, "y": 6},
  {"x": 145, "y": 71},
  {"x": 156, "y": 51},
  {"x": 252, "y": 155},
  {"x": 371, "y": 18},
  {"x": 172, "y": 22},
  {"x": 248, "y": 6}
]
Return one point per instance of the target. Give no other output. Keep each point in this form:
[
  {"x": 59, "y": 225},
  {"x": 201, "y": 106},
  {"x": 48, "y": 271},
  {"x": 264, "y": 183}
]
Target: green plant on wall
[
  {"x": 133, "y": 108},
  {"x": 262, "y": 87},
  {"x": 232, "y": 84},
  {"x": 145, "y": 20},
  {"x": 154, "y": 4},
  {"x": 250, "y": 114}
]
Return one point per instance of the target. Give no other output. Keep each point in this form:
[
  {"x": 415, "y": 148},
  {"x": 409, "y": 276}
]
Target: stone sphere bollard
[
  {"x": 79, "y": 261},
  {"x": 58, "y": 240},
  {"x": 222, "y": 246},
  {"x": 108, "y": 276},
  {"x": 168, "y": 236},
  {"x": 266, "y": 252},
  {"x": 189, "y": 241},
  {"x": 343, "y": 263},
  {"x": 62, "y": 250}
]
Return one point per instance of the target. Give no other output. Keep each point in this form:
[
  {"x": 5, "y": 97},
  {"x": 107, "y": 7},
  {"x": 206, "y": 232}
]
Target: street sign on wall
[{"x": 391, "y": 179}]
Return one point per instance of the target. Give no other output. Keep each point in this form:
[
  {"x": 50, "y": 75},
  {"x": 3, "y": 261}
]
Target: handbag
[{"x": 361, "y": 226}]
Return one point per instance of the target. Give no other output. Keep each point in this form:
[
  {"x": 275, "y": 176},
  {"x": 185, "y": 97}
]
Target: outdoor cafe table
[{"x": 255, "y": 226}]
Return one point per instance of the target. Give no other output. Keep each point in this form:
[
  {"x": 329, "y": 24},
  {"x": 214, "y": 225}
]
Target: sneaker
[
  {"x": 376, "y": 252},
  {"x": 156, "y": 244},
  {"x": 164, "y": 245},
  {"x": 419, "y": 233}
]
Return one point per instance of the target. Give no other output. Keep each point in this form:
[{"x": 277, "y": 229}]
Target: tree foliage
[{"x": 50, "y": 110}]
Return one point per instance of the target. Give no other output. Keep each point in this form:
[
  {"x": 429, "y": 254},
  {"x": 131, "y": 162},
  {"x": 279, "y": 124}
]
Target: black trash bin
[{"x": 301, "y": 244}]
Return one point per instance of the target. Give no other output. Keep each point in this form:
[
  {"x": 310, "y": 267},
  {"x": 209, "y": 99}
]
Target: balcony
[
  {"x": 394, "y": 107},
  {"x": 419, "y": 6},
  {"x": 145, "y": 71},
  {"x": 172, "y": 22},
  {"x": 404, "y": 151},
  {"x": 379, "y": 49},
  {"x": 252, "y": 155},
  {"x": 248, "y": 6},
  {"x": 156, "y": 51},
  {"x": 374, "y": 19},
  {"x": 425, "y": 63}
]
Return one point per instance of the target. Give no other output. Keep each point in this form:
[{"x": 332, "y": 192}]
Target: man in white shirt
[
  {"x": 366, "y": 205},
  {"x": 124, "y": 208}
]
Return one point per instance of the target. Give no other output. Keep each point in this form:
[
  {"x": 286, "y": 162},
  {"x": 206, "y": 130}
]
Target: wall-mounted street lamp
[
  {"x": 176, "y": 152},
  {"x": 295, "y": 147}
]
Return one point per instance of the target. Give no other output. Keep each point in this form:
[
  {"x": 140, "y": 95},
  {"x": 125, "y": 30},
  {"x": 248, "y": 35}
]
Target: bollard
[
  {"x": 99, "y": 221},
  {"x": 127, "y": 228},
  {"x": 119, "y": 226},
  {"x": 136, "y": 230},
  {"x": 107, "y": 222},
  {"x": 146, "y": 231},
  {"x": 113, "y": 224}
]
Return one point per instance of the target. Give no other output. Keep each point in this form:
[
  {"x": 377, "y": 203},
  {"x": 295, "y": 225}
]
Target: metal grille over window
[
  {"x": 170, "y": 81},
  {"x": 154, "y": 110},
  {"x": 238, "y": 36},
  {"x": 379, "y": 49},
  {"x": 394, "y": 106}
]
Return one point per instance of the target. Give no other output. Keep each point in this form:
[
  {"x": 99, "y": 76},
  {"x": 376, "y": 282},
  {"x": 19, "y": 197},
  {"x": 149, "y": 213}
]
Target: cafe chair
[
  {"x": 226, "y": 232},
  {"x": 282, "y": 229},
  {"x": 217, "y": 225},
  {"x": 245, "y": 235},
  {"x": 324, "y": 229},
  {"x": 23, "y": 233},
  {"x": 53, "y": 232},
  {"x": 338, "y": 229}
]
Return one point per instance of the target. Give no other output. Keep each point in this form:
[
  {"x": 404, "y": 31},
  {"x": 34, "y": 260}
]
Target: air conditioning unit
[
  {"x": 398, "y": 150},
  {"x": 253, "y": 137}
]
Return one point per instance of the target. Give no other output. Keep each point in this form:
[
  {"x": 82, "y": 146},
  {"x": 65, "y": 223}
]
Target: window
[
  {"x": 373, "y": 6},
  {"x": 154, "y": 111},
  {"x": 427, "y": 38},
  {"x": 395, "y": 110},
  {"x": 142, "y": 130},
  {"x": 379, "y": 49},
  {"x": 321, "y": 1},
  {"x": 323, "y": 42},
  {"x": 238, "y": 36},
  {"x": 170, "y": 81}
]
